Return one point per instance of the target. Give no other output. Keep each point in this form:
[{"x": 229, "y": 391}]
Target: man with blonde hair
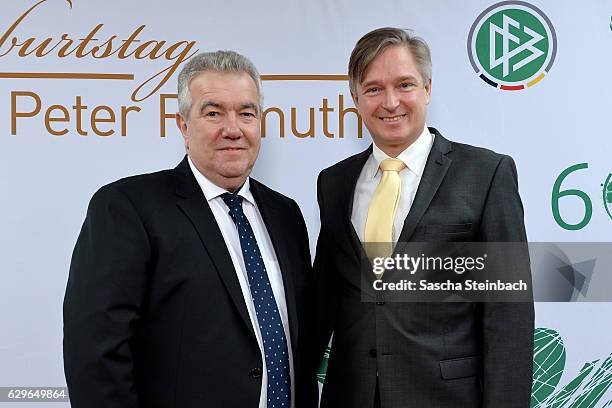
[{"x": 414, "y": 185}]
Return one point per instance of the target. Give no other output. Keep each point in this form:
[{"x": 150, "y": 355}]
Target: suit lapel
[
  {"x": 279, "y": 235},
  {"x": 435, "y": 169},
  {"x": 193, "y": 203},
  {"x": 346, "y": 191}
]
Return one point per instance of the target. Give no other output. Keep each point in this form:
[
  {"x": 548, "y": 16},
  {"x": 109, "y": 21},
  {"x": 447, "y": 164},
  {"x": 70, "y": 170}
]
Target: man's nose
[
  {"x": 391, "y": 101},
  {"x": 231, "y": 127}
]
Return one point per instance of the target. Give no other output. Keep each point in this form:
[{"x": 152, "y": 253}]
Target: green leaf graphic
[
  {"x": 596, "y": 387},
  {"x": 561, "y": 398},
  {"x": 323, "y": 366},
  {"x": 548, "y": 364}
]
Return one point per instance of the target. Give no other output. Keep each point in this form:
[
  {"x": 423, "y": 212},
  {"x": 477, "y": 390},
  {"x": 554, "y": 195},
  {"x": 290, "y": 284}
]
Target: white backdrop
[{"x": 46, "y": 181}]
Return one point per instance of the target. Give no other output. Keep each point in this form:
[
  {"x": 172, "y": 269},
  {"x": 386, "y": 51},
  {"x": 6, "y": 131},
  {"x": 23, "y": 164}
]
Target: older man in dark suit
[
  {"x": 190, "y": 287},
  {"x": 414, "y": 185}
]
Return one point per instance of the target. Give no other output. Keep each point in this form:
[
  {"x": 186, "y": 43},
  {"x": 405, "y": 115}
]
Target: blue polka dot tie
[{"x": 268, "y": 316}]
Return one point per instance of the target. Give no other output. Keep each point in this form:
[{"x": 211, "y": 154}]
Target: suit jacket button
[
  {"x": 255, "y": 373},
  {"x": 372, "y": 353}
]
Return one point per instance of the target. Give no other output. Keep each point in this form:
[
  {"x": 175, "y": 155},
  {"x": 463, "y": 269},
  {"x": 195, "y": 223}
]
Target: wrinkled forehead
[
  {"x": 224, "y": 90},
  {"x": 218, "y": 80}
]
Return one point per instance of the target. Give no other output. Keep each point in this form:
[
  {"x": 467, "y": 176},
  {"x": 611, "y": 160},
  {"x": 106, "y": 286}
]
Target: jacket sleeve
[
  {"x": 103, "y": 303},
  {"x": 306, "y": 391},
  {"x": 508, "y": 328},
  {"x": 324, "y": 283}
]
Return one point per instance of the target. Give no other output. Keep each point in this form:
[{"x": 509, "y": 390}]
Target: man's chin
[
  {"x": 394, "y": 141},
  {"x": 235, "y": 172}
]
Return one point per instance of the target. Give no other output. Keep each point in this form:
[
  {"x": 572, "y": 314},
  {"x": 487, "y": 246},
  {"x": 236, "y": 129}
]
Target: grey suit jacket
[{"x": 424, "y": 354}]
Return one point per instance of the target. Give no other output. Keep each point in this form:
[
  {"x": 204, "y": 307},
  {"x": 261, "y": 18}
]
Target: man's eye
[
  {"x": 407, "y": 85},
  {"x": 372, "y": 90},
  {"x": 212, "y": 114},
  {"x": 248, "y": 114}
]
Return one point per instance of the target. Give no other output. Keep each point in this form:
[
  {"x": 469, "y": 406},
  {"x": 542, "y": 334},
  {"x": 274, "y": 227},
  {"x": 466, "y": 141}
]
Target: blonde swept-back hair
[{"x": 373, "y": 43}]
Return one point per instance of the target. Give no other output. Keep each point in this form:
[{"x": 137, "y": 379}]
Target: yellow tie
[{"x": 381, "y": 214}]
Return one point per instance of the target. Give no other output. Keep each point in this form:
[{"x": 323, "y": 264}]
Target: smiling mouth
[
  {"x": 232, "y": 149},
  {"x": 391, "y": 118}
]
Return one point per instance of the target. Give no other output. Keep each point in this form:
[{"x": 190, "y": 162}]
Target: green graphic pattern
[
  {"x": 323, "y": 366},
  {"x": 596, "y": 387},
  {"x": 548, "y": 364},
  {"x": 607, "y": 195},
  {"x": 561, "y": 398},
  {"x": 586, "y": 390},
  {"x": 525, "y": 19}
]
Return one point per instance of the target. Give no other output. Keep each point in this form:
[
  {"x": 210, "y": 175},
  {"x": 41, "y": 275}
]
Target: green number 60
[{"x": 557, "y": 194}]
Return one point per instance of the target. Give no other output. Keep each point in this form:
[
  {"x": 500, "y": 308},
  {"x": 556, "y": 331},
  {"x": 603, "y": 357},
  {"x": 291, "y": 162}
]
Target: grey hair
[
  {"x": 222, "y": 61},
  {"x": 373, "y": 43}
]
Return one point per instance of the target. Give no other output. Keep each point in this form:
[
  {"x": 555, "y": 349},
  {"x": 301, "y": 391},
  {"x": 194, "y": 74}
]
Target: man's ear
[
  {"x": 428, "y": 90},
  {"x": 181, "y": 123}
]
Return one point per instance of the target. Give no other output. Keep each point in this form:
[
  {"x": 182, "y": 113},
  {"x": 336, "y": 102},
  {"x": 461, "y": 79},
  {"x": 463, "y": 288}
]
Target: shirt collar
[
  {"x": 414, "y": 156},
  {"x": 212, "y": 191}
]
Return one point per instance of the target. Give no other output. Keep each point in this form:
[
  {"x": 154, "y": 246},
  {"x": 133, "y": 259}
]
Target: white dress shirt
[
  {"x": 228, "y": 229},
  {"x": 414, "y": 157}
]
